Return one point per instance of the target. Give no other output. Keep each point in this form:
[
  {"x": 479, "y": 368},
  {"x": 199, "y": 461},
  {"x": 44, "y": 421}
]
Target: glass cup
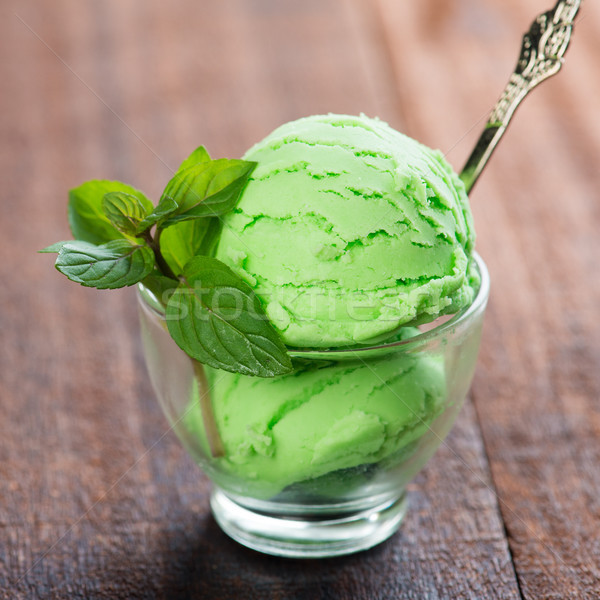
[{"x": 315, "y": 463}]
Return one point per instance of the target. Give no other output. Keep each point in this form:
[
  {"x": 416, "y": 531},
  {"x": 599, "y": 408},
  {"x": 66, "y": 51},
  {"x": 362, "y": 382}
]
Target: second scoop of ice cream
[
  {"x": 349, "y": 229},
  {"x": 321, "y": 419}
]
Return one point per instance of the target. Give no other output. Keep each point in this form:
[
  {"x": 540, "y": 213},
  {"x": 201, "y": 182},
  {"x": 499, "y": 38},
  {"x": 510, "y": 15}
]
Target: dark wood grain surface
[{"x": 97, "y": 498}]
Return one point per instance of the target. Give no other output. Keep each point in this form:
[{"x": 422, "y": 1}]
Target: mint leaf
[
  {"x": 186, "y": 239},
  {"x": 181, "y": 242},
  {"x": 168, "y": 205},
  {"x": 210, "y": 241},
  {"x": 164, "y": 208},
  {"x": 161, "y": 287},
  {"x": 126, "y": 211},
  {"x": 216, "y": 318},
  {"x": 199, "y": 155},
  {"x": 87, "y": 219},
  {"x": 116, "y": 264},
  {"x": 53, "y": 247},
  {"x": 207, "y": 189}
]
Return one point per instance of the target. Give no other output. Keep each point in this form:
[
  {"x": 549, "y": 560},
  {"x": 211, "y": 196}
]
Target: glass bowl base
[{"x": 308, "y": 537}]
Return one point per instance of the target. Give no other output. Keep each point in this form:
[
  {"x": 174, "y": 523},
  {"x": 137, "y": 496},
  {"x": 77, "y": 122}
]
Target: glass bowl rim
[{"x": 436, "y": 332}]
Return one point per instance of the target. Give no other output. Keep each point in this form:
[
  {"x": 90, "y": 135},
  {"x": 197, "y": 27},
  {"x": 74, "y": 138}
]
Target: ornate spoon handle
[{"x": 542, "y": 52}]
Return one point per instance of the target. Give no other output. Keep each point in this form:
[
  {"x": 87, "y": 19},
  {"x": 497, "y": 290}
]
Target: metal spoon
[{"x": 542, "y": 52}]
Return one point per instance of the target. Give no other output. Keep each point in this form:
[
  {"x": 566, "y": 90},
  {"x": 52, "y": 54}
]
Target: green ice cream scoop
[
  {"x": 349, "y": 229},
  {"x": 324, "y": 418}
]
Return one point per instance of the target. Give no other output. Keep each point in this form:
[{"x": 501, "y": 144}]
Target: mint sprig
[
  {"x": 179, "y": 243},
  {"x": 126, "y": 211},
  {"x": 122, "y": 239},
  {"x": 87, "y": 219},
  {"x": 213, "y": 303},
  {"x": 207, "y": 189},
  {"x": 116, "y": 264}
]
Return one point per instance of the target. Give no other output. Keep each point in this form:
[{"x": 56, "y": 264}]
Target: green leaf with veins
[
  {"x": 161, "y": 287},
  {"x": 54, "y": 247},
  {"x": 216, "y": 318},
  {"x": 183, "y": 241},
  {"x": 116, "y": 264},
  {"x": 87, "y": 219},
  {"x": 126, "y": 211},
  {"x": 186, "y": 239},
  {"x": 168, "y": 205},
  {"x": 164, "y": 208},
  {"x": 207, "y": 189},
  {"x": 208, "y": 247},
  {"x": 199, "y": 155}
]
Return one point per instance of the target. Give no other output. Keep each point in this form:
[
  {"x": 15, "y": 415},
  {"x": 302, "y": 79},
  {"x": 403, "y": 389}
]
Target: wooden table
[{"x": 97, "y": 498}]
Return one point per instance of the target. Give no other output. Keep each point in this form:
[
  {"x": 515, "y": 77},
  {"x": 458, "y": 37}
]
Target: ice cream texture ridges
[
  {"x": 348, "y": 229},
  {"x": 298, "y": 427}
]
